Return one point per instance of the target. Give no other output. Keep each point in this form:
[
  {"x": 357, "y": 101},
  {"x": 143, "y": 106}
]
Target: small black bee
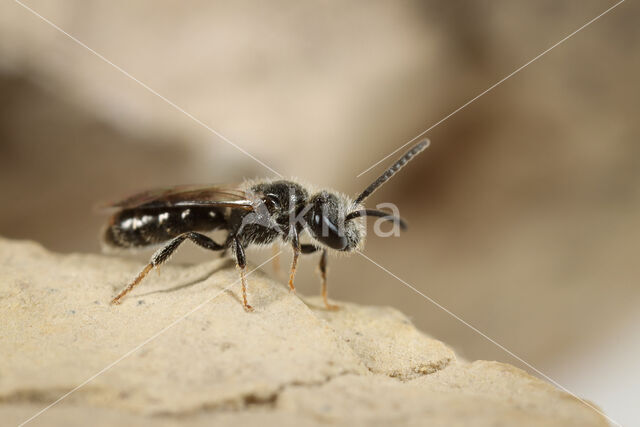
[{"x": 254, "y": 213}]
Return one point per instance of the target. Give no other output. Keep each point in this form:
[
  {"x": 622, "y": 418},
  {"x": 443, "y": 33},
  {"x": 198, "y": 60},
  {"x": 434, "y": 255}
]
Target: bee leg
[
  {"x": 309, "y": 249},
  {"x": 295, "y": 243},
  {"x": 133, "y": 284},
  {"x": 323, "y": 276},
  {"x": 241, "y": 263},
  {"x": 164, "y": 253}
]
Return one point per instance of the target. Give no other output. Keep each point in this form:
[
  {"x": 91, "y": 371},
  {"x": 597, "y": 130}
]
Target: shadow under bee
[{"x": 192, "y": 282}]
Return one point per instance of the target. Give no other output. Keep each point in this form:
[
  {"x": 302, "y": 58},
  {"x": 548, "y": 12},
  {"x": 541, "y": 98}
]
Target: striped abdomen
[{"x": 139, "y": 227}]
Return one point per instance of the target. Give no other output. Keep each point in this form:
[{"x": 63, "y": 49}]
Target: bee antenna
[
  {"x": 416, "y": 149},
  {"x": 380, "y": 214}
]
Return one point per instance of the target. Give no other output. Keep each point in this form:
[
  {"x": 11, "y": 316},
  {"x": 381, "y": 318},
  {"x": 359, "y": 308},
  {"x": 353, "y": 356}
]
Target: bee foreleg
[
  {"x": 306, "y": 248},
  {"x": 164, "y": 253},
  {"x": 322, "y": 266},
  {"x": 295, "y": 243},
  {"x": 241, "y": 262},
  {"x": 323, "y": 276}
]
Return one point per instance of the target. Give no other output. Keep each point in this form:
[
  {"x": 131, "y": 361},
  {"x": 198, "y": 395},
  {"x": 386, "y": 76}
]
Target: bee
[{"x": 258, "y": 213}]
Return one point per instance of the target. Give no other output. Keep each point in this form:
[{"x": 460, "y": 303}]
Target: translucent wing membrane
[{"x": 185, "y": 195}]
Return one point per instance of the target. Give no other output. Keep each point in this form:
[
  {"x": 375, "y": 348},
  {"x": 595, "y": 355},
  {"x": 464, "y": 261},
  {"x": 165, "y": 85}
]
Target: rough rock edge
[
  {"x": 266, "y": 400},
  {"x": 252, "y": 400}
]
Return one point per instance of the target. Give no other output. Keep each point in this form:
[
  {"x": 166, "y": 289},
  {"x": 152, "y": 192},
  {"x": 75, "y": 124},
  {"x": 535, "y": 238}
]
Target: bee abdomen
[{"x": 142, "y": 227}]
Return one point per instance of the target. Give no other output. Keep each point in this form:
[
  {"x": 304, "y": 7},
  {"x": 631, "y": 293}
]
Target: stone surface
[{"x": 181, "y": 350}]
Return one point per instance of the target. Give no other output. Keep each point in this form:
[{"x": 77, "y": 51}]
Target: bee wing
[{"x": 186, "y": 195}]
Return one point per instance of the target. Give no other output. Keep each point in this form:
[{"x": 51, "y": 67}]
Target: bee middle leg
[
  {"x": 322, "y": 266},
  {"x": 164, "y": 253}
]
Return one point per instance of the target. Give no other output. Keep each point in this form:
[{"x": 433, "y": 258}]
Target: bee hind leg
[{"x": 163, "y": 255}]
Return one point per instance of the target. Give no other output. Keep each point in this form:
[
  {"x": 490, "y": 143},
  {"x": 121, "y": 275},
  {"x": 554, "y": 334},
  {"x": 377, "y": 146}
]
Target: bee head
[{"x": 325, "y": 219}]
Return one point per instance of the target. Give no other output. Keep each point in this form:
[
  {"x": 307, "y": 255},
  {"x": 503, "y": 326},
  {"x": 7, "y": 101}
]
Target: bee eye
[
  {"x": 272, "y": 202},
  {"x": 326, "y": 231}
]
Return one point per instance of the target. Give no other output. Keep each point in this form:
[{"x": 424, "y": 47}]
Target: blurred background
[{"x": 524, "y": 212}]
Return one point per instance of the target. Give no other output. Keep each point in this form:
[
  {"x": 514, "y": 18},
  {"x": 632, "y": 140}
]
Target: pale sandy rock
[
  {"x": 182, "y": 351},
  {"x": 385, "y": 340}
]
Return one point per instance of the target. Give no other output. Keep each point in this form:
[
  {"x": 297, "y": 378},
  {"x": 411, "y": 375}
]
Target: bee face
[{"x": 326, "y": 222}]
